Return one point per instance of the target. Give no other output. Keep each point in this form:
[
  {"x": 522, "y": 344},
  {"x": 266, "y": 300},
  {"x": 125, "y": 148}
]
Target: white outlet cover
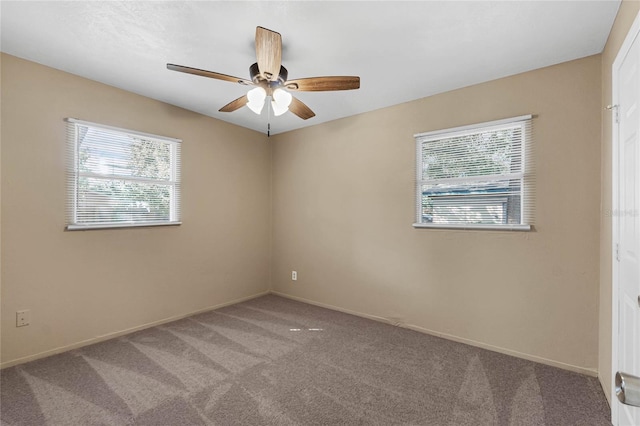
[{"x": 22, "y": 318}]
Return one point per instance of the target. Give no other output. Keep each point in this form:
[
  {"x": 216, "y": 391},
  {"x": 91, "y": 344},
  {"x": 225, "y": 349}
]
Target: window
[
  {"x": 121, "y": 178},
  {"x": 475, "y": 176}
]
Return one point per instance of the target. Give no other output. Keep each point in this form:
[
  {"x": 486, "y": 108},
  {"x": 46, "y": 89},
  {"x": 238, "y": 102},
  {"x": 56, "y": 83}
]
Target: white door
[{"x": 627, "y": 95}]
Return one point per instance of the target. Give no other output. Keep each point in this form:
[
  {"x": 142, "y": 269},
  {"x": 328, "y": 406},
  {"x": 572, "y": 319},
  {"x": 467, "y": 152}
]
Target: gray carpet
[{"x": 273, "y": 361}]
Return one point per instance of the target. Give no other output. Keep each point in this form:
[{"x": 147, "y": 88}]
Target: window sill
[
  {"x": 119, "y": 225},
  {"x": 472, "y": 227}
]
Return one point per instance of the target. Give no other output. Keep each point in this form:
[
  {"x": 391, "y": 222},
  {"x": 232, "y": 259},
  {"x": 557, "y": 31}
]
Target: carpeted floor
[{"x": 273, "y": 361}]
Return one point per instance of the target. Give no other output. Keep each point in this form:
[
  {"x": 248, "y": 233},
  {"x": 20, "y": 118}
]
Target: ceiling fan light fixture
[
  {"x": 277, "y": 109},
  {"x": 256, "y": 107},
  {"x": 282, "y": 97},
  {"x": 256, "y": 99},
  {"x": 271, "y": 78},
  {"x": 281, "y": 101}
]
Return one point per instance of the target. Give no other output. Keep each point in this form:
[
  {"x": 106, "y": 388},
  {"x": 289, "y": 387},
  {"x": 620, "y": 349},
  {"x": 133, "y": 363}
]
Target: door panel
[{"x": 628, "y": 210}]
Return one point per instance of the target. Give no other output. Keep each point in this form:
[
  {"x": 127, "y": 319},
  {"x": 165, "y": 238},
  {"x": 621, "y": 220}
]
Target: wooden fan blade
[
  {"x": 323, "y": 84},
  {"x": 268, "y": 53},
  {"x": 210, "y": 74},
  {"x": 234, "y": 105},
  {"x": 300, "y": 109}
]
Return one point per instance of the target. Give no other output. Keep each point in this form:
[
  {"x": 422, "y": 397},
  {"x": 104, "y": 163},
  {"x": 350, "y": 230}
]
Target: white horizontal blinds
[
  {"x": 123, "y": 177},
  {"x": 72, "y": 173},
  {"x": 528, "y": 181},
  {"x": 473, "y": 175},
  {"x": 175, "y": 173}
]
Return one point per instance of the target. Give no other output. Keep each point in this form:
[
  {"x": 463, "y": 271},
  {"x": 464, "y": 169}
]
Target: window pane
[
  {"x": 475, "y": 175},
  {"x": 113, "y": 153},
  {"x": 118, "y": 201},
  {"x": 489, "y": 202},
  {"x": 487, "y": 153},
  {"x": 121, "y": 178}
]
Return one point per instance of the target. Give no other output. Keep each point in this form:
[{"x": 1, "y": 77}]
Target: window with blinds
[
  {"x": 476, "y": 176},
  {"x": 121, "y": 178}
]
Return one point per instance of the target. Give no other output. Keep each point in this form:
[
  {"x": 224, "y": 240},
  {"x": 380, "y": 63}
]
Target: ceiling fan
[{"x": 270, "y": 79}]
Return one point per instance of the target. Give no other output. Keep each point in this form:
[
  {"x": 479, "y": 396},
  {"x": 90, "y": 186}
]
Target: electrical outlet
[
  {"x": 22, "y": 318},
  {"x": 294, "y": 276}
]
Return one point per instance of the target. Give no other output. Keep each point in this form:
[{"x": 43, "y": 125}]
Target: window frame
[
  {"x": 526, "y": 208},
  {"x": 74, "y": 174}
]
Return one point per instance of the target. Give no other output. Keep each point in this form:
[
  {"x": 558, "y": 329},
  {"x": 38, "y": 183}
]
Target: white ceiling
[{"x": 401, "y": 50}]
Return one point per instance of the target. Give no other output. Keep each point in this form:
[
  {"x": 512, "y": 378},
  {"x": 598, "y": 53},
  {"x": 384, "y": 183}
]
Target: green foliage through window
[{"x": 123, "y": 178}]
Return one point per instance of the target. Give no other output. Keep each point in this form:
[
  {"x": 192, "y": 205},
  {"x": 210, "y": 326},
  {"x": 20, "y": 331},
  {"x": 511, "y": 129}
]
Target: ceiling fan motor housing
[{"x": 255, "y": 76}]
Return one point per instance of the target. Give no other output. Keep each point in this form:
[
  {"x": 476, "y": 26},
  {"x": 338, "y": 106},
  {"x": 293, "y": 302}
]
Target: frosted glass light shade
[
  {"x": 277, "y": 109},
  {"x": 281, "y": 101},
  {"x": 256, "y": 99},
  {"x": 282, "y": 97}
]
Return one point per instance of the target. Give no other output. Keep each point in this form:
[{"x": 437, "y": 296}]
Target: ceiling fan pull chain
[{"x": 268, "y": 118}]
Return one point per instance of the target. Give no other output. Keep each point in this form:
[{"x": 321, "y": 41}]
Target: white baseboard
[
  {"x": 114, "y": 334},
  {"x": 606, "y": 389},
  {"x": 576, "y": 369},
  {"x": 582, "y": 370}
]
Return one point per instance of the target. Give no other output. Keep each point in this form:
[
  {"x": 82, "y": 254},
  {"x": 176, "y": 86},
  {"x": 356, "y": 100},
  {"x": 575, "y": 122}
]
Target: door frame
[{"x": 633, "y": 33}]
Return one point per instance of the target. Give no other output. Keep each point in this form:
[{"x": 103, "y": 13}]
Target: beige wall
[
  {"x": 81, "y": 285},
  {"x": 343, "y": 206},
  {"x": 626, "y": 14}
]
